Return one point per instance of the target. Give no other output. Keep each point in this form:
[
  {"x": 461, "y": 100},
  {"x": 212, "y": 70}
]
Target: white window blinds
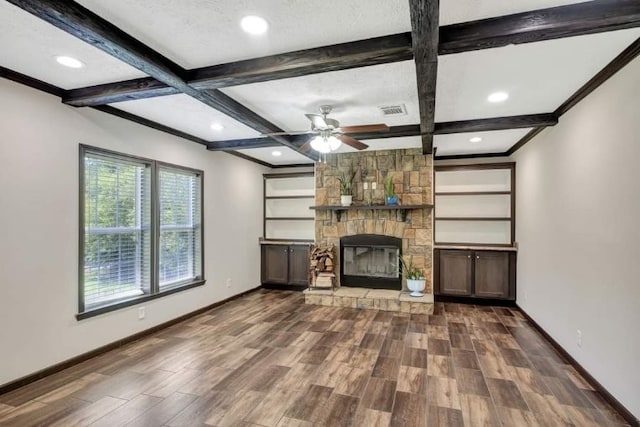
[
  {"x": 117, "y": 242},
  {"x": 180, "y": 228},
  {"x": 141, "y": 229}
]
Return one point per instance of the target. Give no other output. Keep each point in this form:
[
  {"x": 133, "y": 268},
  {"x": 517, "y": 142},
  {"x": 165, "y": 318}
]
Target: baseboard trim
[
  {"x": 275, "y": 286},
  {"x": 28, "y": 379},
  {"x": 475, "y": 301},
  {"x": 611, "y": 400}
]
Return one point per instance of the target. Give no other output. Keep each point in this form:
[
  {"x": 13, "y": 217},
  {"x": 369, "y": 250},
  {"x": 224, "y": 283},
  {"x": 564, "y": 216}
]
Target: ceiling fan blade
[
  {"x": 352, "y": 142},
  {"x": 378, "y": 127},
  {"x": 293, "y": 132},
  {"x": 305, "y": 148},
  {"x": 317, "y": 120}
]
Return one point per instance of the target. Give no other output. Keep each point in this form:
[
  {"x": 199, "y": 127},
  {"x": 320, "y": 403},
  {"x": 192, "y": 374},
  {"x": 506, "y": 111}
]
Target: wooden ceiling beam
[
  {"x": 443, "y": 128},
  {"x": 424, "y": 33},
  {"x": 496, "y": 123},
  {"x": 538, "y": 25},
  {"x": 532, "y": 26},
  {"x": 80, "y": 22},
  {"x": 343, "y": 56}
]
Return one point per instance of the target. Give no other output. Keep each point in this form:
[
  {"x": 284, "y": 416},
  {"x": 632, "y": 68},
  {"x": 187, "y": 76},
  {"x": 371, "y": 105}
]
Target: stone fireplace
[{"x": 412, "y": 174}]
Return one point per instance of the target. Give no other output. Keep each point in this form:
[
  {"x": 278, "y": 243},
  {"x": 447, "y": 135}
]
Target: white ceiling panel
[
  {"x": 385, "y": 144},
  {"x": 188, "y": 115},
  {"x": 30, "y": 46},
  {"x": 287, "y": 155},
  {"x": 497, "y": 141},
  {"x": 197, "y": 33},
  {"x": 538, "y": 76},
  {"x": 355, "y": 95},
  {"x": 454, "y": 11}
]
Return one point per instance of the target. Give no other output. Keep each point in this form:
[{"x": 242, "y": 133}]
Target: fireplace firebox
[{"x": 370, "y": 261}]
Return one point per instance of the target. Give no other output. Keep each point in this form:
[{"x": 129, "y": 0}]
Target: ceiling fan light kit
[{"x": 329, "y": 136}]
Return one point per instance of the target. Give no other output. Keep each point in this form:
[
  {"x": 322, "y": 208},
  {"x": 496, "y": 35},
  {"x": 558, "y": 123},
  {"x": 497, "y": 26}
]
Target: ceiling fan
[{"x": 329, "y": 135}]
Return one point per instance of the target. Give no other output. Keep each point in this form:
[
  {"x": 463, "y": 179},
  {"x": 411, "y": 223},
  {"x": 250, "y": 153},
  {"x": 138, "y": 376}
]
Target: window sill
[{"x": 137, "y": 300}]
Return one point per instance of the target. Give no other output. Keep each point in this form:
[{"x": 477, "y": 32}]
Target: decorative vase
[
  {"x": 416, "y": 287},
  {"x": 391, "y": 200},
  {"x": 346, "y": 200}
]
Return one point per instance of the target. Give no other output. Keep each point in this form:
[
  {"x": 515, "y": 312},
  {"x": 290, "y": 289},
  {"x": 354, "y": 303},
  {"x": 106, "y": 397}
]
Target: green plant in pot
[
  {"x": 390, "y": 197},
  {"x": 415, "y": 277},
  {"x": 346, "y": 185}
]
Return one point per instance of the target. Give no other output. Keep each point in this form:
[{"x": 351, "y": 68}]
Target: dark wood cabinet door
[
  {"x": 299, "y": 265},
  {"x": 275, "y": 264},
  {"x": 455, "y": 272},
  {"x": 492, "y": 274}
]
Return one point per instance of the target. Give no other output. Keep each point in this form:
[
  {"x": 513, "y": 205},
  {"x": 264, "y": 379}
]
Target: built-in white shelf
[
  {"x": 474, "y": 204},
  {"x": 287, "y": 198}
]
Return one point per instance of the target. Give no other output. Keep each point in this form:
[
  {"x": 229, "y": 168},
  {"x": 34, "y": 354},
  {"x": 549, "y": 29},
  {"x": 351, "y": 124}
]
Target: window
[
  {"x": 180, "y": 227},
  {"x": 141, "y": 230}
]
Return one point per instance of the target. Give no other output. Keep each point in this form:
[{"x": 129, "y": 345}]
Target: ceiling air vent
[{"x": 393, "y": 110}]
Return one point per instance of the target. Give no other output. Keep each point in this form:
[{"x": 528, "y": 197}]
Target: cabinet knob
[
  {"x": 285, "y": 250},
  {"x": 469, "y": 256},
  {"x": 291, "y": 250},
  {"x": 477, "y": 256}
]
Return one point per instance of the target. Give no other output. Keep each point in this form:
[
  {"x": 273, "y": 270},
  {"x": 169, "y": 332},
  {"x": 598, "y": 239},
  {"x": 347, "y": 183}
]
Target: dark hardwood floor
[{"x": 268, "y": 359}]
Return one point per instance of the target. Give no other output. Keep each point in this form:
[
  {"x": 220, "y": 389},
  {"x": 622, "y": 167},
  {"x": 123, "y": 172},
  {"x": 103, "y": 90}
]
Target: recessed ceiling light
[
  {"x": 254, "y": 25},
  {"x": 475, "y": 139},
  {"x": 217, "y": 126},
  {"x": 68, "y": 61},
  {"x": 276, "y": 153},
  {"x": 498, "y": 97}
]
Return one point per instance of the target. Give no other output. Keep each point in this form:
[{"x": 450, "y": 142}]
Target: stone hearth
[
  {"x": 412, "y": 175},
  {"x": 376, "y": 299}
]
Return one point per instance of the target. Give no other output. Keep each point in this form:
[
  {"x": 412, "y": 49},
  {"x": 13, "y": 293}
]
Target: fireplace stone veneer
[{"x": 412, "y": 175}]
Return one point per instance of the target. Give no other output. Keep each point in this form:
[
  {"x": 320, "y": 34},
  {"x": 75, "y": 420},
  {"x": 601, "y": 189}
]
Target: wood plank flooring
[{"x": 268, "y": 359}]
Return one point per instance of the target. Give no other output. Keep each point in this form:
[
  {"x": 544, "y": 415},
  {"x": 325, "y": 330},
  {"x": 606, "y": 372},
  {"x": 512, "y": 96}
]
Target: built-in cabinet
[
  {"x": 475, "y": 273},
  {"x": 284, "y": 264}
]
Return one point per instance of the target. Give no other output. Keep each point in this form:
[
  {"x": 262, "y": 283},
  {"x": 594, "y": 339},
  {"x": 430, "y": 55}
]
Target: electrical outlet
[
  {"x": 373, "y": 185},
  {"x": 141, "y": 313},
  {"x": 229, "y": 283},
  {"x": 579, "y": 338},
  {"x": 365, "y": 185}
]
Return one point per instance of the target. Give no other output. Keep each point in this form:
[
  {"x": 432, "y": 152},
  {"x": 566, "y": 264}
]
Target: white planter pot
[
  {"x": 346, "y": 200},
  {"x": 416, "y": 287}
]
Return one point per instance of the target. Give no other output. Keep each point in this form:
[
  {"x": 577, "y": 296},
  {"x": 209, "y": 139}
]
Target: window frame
[{"x": 154, "y": 292}]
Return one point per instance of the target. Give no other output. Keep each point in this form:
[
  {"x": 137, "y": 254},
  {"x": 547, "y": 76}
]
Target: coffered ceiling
[{"x": 168, "y": 39}]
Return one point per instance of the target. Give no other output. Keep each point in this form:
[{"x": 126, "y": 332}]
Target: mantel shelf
[{"x": 404, "y": 209}]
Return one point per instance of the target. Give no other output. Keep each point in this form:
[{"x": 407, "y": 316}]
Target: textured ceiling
[
  {"x": 30, "y": 45},
  {"x": 355, "y": 94},
  {"x": 454, "y": 11},
  {"x": 538, "y": 76},
  {"x": 195, "y": 33},
  {"x": 188, "y": 115},
  {"x": 492, "y": 142}
]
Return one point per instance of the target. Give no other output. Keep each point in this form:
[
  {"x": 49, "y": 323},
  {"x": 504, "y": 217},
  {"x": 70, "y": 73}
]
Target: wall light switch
[
  {"x": 373, "y": 185},
  {"x": 365, "y": 185},
  {"x": 141, "y": 313}
]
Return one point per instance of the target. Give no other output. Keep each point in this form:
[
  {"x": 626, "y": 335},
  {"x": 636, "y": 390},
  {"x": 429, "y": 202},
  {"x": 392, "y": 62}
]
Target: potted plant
[
  {"x": 415, "y": 277},
  {"x": 346, "y": 182},
  {"x": 390, "y": 197}
]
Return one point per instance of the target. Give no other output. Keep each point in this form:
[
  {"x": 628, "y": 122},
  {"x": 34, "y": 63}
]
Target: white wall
[
  {"x": 578, "y": 228},
  {"x": 39, "y": 140}
]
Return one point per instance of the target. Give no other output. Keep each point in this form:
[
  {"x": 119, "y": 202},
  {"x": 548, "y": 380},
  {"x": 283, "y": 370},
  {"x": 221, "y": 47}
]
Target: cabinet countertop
[
  {"x": 285, "y": 242},
  {"x": 478, "y": 248}
]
